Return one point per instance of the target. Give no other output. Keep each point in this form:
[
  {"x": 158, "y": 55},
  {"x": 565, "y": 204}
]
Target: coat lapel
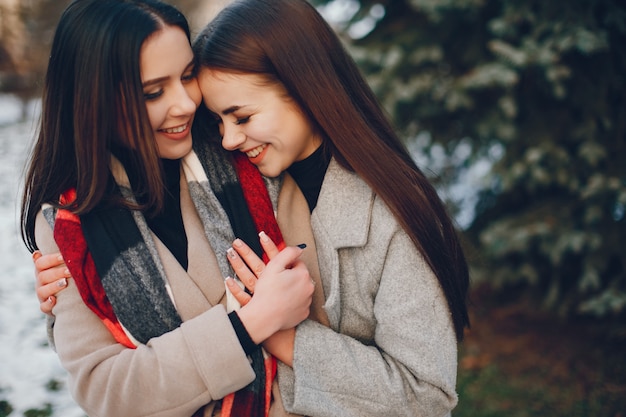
[
  {"x": 294, "y": 220},
  {"x": 341, "y": 219},
  {"x": 201, "y": 286}
]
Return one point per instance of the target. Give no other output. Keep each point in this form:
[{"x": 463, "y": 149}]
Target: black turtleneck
[
  {"x": 309, "y": 174},
  {"x": 168, "y": 223}
]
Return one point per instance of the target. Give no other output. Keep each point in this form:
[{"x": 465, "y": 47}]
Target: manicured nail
[
  {"x": 59, "y": 257},
  {"x": 231, "y": 253},
  {"x": 67, "y": 272},
  {"x": 36, "y": 255},
  {"x": 229, "y": 281},
  {"x": 50, "y": 300},
  {"x": 62, "y": 282},
  {"x": 238, "y": 243},
  {"x": 302, "y": 245},
  {"x": 264, "y": 237}
]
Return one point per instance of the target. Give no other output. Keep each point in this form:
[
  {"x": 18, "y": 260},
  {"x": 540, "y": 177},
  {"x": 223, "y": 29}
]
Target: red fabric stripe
[
  {"x": 258, "y": 200},
  {"x": 69, "y": 237},
  {"x": 260, "y": 207}
]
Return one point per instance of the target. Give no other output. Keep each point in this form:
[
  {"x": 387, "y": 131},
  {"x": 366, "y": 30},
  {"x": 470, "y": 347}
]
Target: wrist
[{"x": 259, "y": 325}]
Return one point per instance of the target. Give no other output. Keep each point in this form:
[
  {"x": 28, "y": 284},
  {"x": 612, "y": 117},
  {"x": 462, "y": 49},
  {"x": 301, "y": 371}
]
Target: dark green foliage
[
  {"x": 5, "y": 408},
  {"x": 542, "y": 83},
  {"x": 54, "y": 385},
  {"x": 46, "y": 411}
]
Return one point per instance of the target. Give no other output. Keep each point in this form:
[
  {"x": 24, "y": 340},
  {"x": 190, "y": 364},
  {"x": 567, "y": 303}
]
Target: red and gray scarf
[{"x": 113, "y": 259}]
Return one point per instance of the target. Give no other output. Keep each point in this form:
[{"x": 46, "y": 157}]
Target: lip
[
  {"x": 177, "y": 135},
  {"x": 258, "y": 158}
]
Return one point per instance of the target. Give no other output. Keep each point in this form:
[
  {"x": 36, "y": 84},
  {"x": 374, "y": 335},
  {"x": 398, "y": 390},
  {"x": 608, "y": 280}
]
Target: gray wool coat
[{"x": 390, "y": 349}]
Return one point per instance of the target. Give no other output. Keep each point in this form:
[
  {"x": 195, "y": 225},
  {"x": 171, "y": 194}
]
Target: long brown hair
[
  {"x": 288, "y": 41},
  {"x": 93, "y": 102}
]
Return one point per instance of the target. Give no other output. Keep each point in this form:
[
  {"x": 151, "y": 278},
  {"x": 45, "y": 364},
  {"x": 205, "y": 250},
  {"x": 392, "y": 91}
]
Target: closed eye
[
  {"x": 242, "y": 120},
  {"x": 153, "y": 96}
]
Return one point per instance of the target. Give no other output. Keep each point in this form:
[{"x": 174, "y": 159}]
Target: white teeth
[
  {"x": 175, "y": 129},
  {"x": 256, "y": 151}
]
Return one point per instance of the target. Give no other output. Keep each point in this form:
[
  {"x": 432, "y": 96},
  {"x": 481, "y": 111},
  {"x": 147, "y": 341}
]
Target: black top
[
  {"x": 168, "y": 224},
  {"x": 309, "y": 175}
]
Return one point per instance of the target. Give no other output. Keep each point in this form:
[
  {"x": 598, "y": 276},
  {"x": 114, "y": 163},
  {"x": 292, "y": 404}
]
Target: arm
[
  {"x": 172, "y": 375},
  {"x": 408, "y": 348},
  {"x": 399, "y": 362}
]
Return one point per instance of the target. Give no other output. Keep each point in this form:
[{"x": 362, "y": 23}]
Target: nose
[
  {"x": 232, "y": 137},
  {"x": 187, "y": 100}
]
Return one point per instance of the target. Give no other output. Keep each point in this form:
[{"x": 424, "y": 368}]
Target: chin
[
  {"x": 270, "y": 173},
  {"x": 177, "y": 152}
]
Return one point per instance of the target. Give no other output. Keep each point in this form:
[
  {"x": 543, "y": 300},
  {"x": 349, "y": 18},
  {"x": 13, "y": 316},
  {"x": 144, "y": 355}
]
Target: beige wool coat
[{"x": 177, "y": 373}]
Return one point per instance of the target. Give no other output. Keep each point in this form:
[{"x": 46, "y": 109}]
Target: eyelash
[
  {"x": 242, "y": 120},
  {"x": 185, "y": 79},
  {"x": 153, "y": 96},
  {"x": 188, "y": 77}
]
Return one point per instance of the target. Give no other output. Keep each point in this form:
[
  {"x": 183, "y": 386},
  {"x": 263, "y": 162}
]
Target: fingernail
[
  {"x": 229, "y": 281},
  {"x": 36, "y": 255},
  {"x": 231, "y": 253},
  {"x": 62, "y": 282},
  {"x": 238, "y": 243},
  {"x": 67, "y": 272},
  {"x": 50, "y": 300},
  {"x": 59, "y": 257},
  {"x": 264, "y": 237},
  {"x": 302, "y": 245}
]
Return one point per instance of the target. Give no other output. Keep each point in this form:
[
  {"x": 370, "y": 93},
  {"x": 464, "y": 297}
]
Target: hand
[
  {"x": 250, "y": 268},
  {"x": 282, "y": 289},
  {"x": 51, "y": 276}
]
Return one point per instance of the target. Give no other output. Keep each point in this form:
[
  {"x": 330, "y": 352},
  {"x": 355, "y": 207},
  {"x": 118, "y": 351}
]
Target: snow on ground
[{"x": 30, "y": 374}]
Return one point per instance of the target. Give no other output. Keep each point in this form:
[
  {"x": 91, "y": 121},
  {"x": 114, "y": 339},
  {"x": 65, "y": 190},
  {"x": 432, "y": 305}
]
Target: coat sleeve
[
  {"x": 172, "y": 375},
  {"x": 408, "y": 364}
]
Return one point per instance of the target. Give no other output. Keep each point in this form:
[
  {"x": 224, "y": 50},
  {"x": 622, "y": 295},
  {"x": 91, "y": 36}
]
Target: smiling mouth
[
  {"x": 256, "y": 151},
  {"x": 178, "y": 129}
]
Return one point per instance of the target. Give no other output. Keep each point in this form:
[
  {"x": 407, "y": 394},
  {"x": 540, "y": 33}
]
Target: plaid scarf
[{"x": 114, "y": 262}]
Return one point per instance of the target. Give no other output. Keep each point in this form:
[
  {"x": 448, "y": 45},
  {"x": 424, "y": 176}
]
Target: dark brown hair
[
  {"x": 93, "y": 102},
  {"x": 289, "y": 42}
]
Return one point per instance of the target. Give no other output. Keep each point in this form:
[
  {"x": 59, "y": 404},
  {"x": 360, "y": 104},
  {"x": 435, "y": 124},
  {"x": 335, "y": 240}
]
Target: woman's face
[
  {"x": 258, "y": 119},
  {"x": 170, "y": 90}
]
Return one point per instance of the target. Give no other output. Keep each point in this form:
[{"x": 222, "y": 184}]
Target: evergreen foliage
[{"x": 537, "y": 88}]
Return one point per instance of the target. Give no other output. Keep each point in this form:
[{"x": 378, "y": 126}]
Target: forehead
[
  {"x": 167, "y": 52},
  {"x": 222, "y": 89}
]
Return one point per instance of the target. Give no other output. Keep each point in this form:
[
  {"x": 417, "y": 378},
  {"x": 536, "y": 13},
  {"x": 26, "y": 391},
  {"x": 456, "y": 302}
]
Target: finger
[
  {"x": 269, "y": 247},
  {"x": 43, "y": 262},
  {"x": 46, "y": 305},
  {"x": 255, "y": 263},
  {"x": 285, "y": 259},
  {"x": 241, "y": 270},
  {"x": 50, "y": 275},
  {"x": 44, "y": 292},
  {"x": 237, "y": 292}
]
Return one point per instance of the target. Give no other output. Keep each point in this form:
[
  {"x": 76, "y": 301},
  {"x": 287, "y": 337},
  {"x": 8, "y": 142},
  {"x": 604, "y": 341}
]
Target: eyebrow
[
  {"x": 161, "y": 79},
  {"x": 230, "y": 110}
]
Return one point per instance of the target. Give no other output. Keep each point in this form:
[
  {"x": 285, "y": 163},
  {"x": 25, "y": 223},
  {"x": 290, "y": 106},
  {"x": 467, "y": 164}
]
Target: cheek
[
  {"x": 193, "y": 90},
  {"x": 156, "y": 114}
]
